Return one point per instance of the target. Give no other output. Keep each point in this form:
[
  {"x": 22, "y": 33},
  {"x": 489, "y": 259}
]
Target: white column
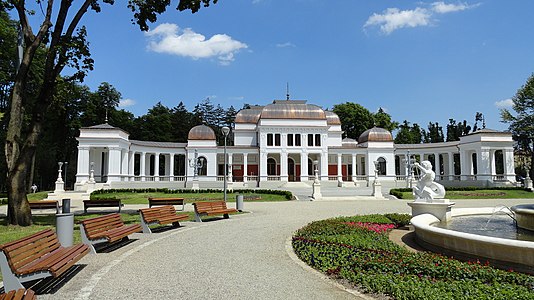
[
  {"x": 451, "y": 165},
  {"x": 354, "y": 167},
  {"x": 156, "y": 166},
  {"x": 230, "y": 167},
  {"x": 83, "y": 164},
  {"x": 245, "y": 167},
  {"x": 509, "y": 169},
  {"x": 171, "y": 166},
  {"x": 124, "y": 165},
  {"x": 142, "y": 166},
  {"x": 324, "y": 166},
  {"x": 484, "y": 164},
  {"x": 114, "y": 164},
  {"x": 263, "y": 166},
  {"x": 438, "y": 166},
  {"x": 304, "y": 167},
  {"x": 465, "y": 166},
  {"x": 283, "y": 166},
  {"x": 339, "y": 167},
  {"x": 493, "y": 169}
]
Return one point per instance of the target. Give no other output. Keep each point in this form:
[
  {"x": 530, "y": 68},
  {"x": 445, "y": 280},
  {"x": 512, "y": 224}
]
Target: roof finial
[
  {"x": 287, "y": 91},
  {"x": 106, "y": 121}
]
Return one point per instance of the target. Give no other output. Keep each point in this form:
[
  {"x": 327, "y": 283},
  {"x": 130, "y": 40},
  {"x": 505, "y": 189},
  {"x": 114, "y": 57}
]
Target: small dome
[
  {"x": 332, "y": 118},
  {"x": 201, "y": 132},
  {"x": 375, "y": 134}
]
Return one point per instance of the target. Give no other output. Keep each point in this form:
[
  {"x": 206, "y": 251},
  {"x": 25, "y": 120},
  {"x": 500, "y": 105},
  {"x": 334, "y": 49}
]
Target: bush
[
  {"x": 288, "y": 195},
  {"x": 400, "y": 220}
]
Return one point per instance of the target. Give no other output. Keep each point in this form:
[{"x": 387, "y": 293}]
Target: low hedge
[
  {"x": 398, "y": 192},
  {"x": 288, "y": 195},
  {"x": 351, "y": 250}
]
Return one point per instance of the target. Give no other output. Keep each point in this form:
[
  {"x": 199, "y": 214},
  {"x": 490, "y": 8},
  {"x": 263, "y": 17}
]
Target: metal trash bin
[
  {"x": 239, "y": 202},
  {"x": 65, "y": 229}
]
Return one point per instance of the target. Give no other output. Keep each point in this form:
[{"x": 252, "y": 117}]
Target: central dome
[{"x": 292, "y": 109}]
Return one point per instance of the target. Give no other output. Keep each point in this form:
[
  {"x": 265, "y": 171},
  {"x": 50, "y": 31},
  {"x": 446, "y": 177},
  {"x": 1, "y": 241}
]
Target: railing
[
  {"x": 179, "y": 178},
  {"x": 273, "y": 178},
  {"x": 252, "y": 178},
  {"x": 499, "y": 177},
  {"x": 332, "y": 178}
]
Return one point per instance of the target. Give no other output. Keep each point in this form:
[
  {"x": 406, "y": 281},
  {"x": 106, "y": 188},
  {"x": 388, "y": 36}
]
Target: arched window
[
  {"x": 203, "y": 171},
  {"x": 381, "y": 166},
  {"x": 271, "y": 166}
]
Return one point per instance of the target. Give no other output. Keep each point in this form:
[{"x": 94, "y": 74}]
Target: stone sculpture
[{"x": 426, "y": 189}]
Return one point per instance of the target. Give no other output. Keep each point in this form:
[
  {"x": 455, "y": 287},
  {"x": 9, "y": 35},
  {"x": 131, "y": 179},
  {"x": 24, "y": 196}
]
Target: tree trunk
[{"x": 19, "y": 212}]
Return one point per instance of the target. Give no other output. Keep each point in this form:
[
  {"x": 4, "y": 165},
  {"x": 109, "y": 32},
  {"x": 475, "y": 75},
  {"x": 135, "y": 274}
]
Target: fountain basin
[
  {"x": 524, "y": 215},
  {"x": 504, "y": 253}
]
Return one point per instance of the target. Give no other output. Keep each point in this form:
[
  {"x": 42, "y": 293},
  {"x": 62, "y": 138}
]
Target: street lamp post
[{"x": 225, "y": 131}]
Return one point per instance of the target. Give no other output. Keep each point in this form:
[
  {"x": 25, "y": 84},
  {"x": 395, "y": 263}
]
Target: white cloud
[
  {"x": 126, "y": 103},
  {"x": 443, "y": 8},
  {"x": 393, "y": 18},
  {"x": 169, "y": 38},
  {"x": 506, "y": 103},
  {"x": 286, "y": 45}
]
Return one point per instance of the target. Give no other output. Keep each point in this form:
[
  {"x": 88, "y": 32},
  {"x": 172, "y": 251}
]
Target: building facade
[{"x": 283, "y": 142}]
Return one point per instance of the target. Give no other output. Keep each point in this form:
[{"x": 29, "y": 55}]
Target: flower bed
[{"x": 358, "y": 249}]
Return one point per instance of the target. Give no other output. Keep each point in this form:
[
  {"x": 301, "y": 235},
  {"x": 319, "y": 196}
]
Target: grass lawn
[
  {"x": 481, "y": 194},
  {"x": 142, "y": 198}
]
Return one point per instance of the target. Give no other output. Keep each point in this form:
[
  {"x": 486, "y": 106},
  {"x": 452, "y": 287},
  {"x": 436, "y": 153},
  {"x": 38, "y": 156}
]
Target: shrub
[
  {"x": 400, "y": 220},
  {"x": 287, "y": 194}
]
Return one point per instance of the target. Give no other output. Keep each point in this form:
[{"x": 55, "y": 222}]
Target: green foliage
[
  {"x": 355, "y": 119},
  {"x": 456, "y": 130},
  {"x": 478, "y": 192},
  {"x": 409, "y": 134},
  {"x": 369, "y": 261},
  {"x": 434, "y": 133},
  {"x": 400, "y": 220}
]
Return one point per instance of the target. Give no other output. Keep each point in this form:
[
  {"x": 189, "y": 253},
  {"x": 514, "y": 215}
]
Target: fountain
[{"x": 429, "y": 221}]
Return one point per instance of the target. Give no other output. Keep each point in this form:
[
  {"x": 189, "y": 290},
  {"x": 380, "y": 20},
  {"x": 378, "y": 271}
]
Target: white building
[{"x": 284, "y": 142}]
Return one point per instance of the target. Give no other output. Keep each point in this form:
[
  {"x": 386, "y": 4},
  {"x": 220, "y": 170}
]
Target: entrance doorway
[{"x": 291, "y": 169}]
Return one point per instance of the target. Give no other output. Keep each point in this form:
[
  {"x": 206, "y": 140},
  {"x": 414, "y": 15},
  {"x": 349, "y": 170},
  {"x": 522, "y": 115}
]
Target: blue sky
[{"x": 422, "y": 61}]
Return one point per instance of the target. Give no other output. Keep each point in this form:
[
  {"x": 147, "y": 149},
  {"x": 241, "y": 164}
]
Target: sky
[{"x": 421, "y": 61}]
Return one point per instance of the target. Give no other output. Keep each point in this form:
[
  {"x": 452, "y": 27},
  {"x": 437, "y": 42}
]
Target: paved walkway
[{"x": 245, "y": 257}]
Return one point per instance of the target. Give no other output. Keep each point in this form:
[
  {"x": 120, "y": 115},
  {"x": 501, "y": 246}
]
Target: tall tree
[
  {"x": 456, "y": 130},
  {"x": 156, "y": 125},
  {"x": 64, "y": 41},
  {"x": 409, "y": 134},
  {"x": 355, "y": 119},
  {"x": 521, "y": 121},
  {"x": 182, "y": 122},
  {"x": 434, "y": 133},
  {"x": 383, "y": 119}
]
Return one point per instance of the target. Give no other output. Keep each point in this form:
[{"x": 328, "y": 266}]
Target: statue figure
[{"x": 426, "y": 188}]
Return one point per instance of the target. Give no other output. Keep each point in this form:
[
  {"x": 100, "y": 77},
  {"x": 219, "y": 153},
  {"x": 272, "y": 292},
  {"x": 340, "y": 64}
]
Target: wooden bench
[
  {"x": 37, "y": 256},
  {"x": 160, "y": 215},
  {"x": 166, "y": 201},
  {"x": 20, "y": 294},
  {"x": 101, "y": 203},
  {"x": 105, "y": 229},
  {"x": 211, "y": 208},
  {"x": 45, "y": 204}
]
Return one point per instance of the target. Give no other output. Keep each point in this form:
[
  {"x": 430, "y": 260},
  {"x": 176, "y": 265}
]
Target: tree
[
  {"x": 182, "y": 122},
  {"x": 456, "y": 130},
  {"x": 355, "y": 119},
  {"x": 434, "y": 134},
  {"x": 64, "y": 43},
  {"x": 408, "y": 134},
  {"x": 156, "y": 125},
  {"x": 521, "y": 122},
  {"x": 383, "y": 120}
]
